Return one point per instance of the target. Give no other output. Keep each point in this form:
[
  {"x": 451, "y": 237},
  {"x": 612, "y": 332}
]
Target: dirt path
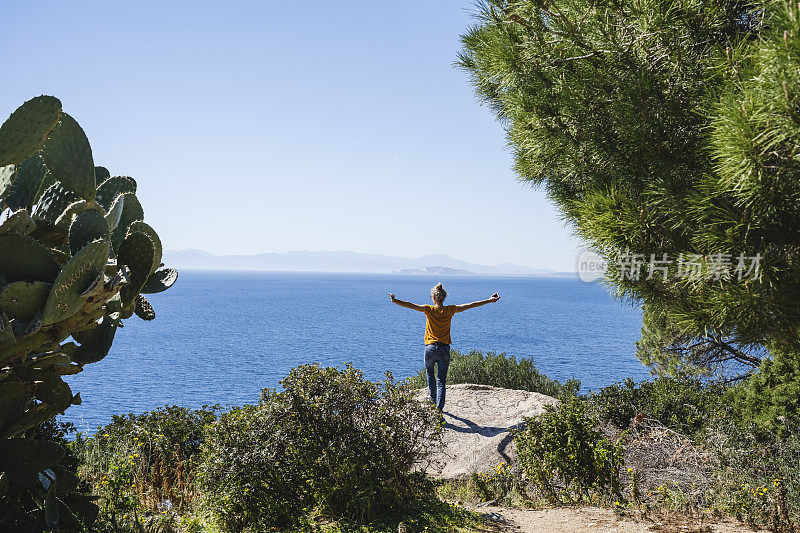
[{"x": 595, "y": 520}]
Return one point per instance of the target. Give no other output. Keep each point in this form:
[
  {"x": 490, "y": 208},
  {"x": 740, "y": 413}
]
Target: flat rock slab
[{"x": 476, "y": 436}]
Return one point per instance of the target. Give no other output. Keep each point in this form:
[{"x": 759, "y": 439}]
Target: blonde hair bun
[{"x": 438, "y": 293}]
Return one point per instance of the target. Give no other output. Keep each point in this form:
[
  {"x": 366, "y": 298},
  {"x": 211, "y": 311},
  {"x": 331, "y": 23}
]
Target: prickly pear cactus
[{"x": 75, "y": 258}]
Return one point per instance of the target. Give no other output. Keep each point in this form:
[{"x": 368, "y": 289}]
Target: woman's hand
[
  {"x": 494, "y": 297},
  {"x": 392, "y": 297}
]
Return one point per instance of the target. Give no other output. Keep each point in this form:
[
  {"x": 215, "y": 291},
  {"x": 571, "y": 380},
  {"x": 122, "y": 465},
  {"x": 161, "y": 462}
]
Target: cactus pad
[
  {"x": 34, "y": 416},
  {"x": 122, "y": 277},
  {"x": 138, "y": 225},
  {"x": 6, "y": 177},
  {"x": 34, "y": 324},
  {"x": 101, "y": 174},
  {"x": 87, "y": 227},
  {"x": 61, "y": 257},
  {"x": 47, "y": 182},
  {"x": 18, "y": 222},
  {"x": 26, "y": 130},
  {"x": 26, "y": 183},
  {"x": 14, "y": 389},
  {"x": 143, "y": 309},
  {"x": 6, "y": 331},
  {"x": 112, "y": 187},
  {"x": 64, "y": 220},
  {"x": 131, "y": 212},
  {"x": 65, "y": 298},
  {"x": 160, "y": 280},
  {"x": 95, "y": 287},
  {"x": 52, "y": 390},
  {"x": 95, "y": 343},
  {"x": 29, "y": 456},
  {"x": 69, "y": 157},
  {"x": 24, "y": 259},
  {"x": 115, "y": 212},
  {"x": 53, "y": 202},
  {"x": 136, "y": 251},
  {"x": 23, "y": 299}
]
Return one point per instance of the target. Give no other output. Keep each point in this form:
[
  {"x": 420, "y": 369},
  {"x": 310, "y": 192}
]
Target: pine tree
[{"x": 667, "y": 132}]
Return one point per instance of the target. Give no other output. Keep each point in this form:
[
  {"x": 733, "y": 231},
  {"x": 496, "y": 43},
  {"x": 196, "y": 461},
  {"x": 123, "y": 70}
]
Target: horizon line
[
  {"x": 552, "y": 274},
  {"x": 362, "y": 253}
]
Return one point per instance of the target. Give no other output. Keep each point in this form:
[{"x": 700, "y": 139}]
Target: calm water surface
[{"x": 220, "y": 337}]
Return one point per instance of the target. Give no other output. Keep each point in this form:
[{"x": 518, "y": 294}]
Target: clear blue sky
[{"x": 274, "y": 126}]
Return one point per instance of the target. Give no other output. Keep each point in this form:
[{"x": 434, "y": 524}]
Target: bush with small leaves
[
  {"x": 566, "y": 457},
  {"x": 684, "y": 405},
  {"x": 144, "y": 462},
  {"x": 330, "y": 441},
  {"x": 500, "y": 370}
]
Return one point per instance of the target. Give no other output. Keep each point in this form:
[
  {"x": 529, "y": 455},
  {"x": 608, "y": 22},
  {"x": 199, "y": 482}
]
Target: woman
[{"x": 437, "y": 335}]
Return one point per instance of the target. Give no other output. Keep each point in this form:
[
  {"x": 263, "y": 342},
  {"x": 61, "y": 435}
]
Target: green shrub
[
  {"x": 770, "y": 398},
  {"x": 144, "y": 463},
  {"x": 684, "y": 405},
  {"x": 566, "y": 457},
  {"x": 331, "y": 442},
  {"x": 248, "y": 473},
  {"x": 756, "y": 479},
  {"x": 499, "y": 370}
]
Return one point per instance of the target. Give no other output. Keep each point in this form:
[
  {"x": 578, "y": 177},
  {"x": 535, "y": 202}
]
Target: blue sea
[{"x": 220, "y": 337}]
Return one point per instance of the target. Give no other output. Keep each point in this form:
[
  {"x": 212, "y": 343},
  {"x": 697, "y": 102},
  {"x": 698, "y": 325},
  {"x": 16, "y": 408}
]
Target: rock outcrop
[{"x": 477, "y": 435}]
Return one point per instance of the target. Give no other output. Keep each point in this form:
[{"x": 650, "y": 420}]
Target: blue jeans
[{"x": 438, "y": 354}]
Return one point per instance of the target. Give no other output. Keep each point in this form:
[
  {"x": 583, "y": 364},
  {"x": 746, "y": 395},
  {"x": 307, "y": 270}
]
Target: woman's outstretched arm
[
  {"x": 409, "y": 305},
  {"x": 463, "y": 307}
]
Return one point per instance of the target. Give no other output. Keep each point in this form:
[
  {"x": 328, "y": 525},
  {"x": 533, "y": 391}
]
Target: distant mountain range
[
  {"x": 343, "y": 261},
  {"x": 436, "y": 270}
]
